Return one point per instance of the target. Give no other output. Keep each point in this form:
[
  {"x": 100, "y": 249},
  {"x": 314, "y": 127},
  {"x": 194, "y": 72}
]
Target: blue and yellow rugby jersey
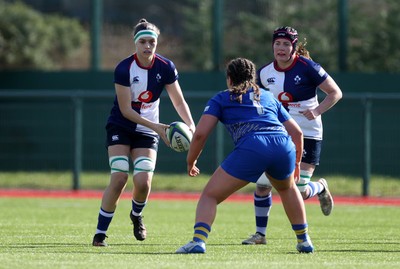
[{"x": 250, "y": 116}]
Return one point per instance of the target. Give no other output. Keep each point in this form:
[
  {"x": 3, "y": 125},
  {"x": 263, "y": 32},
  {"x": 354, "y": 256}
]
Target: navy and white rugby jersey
[
  {"x": 250, "y": 116},
  {"x": 146, "y": 85},
  {"x": 296, "y": 87}
]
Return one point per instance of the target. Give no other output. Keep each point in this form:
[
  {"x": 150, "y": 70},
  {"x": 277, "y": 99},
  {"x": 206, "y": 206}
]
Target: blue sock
[
  {"x": 137, "y": 208},
  {"x": 201, "y": 231},
  {"x": 104, "y": 221},
  {"x": 301, "y": 231},
  {"x": 262, "y": 207}
]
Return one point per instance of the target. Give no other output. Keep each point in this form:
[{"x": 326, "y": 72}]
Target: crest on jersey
[
  {"x": 145, "y": 96},
  {"x": 297, "y": 79}
]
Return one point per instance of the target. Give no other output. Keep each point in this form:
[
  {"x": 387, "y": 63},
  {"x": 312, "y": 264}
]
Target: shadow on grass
[
  {"x": 114, "y": 249},
  {"x": 110, "y": 250}
]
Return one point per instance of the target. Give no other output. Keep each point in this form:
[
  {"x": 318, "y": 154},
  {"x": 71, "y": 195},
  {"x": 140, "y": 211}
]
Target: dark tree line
[{"x": 186, "y": 26}]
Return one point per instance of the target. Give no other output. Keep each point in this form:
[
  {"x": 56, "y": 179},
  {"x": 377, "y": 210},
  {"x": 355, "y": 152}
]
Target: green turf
[
  {"x": 56, "y": 233},
  {"x": 338, "y": 184}
]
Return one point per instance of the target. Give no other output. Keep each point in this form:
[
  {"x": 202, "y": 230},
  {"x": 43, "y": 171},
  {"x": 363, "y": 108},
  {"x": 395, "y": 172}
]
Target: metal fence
[{"x": 51, "y": 130}]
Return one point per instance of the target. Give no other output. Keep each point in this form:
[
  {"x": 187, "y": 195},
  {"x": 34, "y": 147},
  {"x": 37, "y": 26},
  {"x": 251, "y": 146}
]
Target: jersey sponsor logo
[
  {"x": 285, "y": 97},
  {"x": 139, "y": 105},
  {"x": 146, "y": 106},
  {"x": 115, "y": 138},
  {"x": 294, "y": 105},
  {"x": 145, "y": 96},
  {"x": 206, "y": 109}
]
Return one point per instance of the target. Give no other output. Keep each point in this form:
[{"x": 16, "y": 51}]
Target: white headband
[{"x": 145, "y": 33}]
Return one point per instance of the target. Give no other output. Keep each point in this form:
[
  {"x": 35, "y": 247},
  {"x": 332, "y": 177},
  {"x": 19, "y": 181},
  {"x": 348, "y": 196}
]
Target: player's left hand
[{"x": 193, "y": 170}]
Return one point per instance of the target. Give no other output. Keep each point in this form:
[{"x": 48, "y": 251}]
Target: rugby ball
[{"x": 179, "y": 136}]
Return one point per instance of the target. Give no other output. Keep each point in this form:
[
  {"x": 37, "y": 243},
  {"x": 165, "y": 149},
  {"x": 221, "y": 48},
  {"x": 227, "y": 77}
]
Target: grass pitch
[
  {"x": 57, "y": 233},
  {"x": 380, "y": 186}
]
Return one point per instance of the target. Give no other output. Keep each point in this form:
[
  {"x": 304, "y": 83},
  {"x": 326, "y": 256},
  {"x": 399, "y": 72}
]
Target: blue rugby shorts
[{"x": 259, "y": 153}]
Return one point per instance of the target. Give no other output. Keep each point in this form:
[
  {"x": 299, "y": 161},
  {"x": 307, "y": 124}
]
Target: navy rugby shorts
[
  {"x": 312, "y": 151},
  {"x": 117, "y": 135}
]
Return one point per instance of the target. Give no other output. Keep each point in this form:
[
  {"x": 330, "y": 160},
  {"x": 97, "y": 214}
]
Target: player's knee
[
  {"x": 302, "y": 185},
  {"x": 119, "y": 164},
  {"x": 142, "y": 184},
  {"x": 117, "y": 183},
  {"x": 143, "y": 165}
]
